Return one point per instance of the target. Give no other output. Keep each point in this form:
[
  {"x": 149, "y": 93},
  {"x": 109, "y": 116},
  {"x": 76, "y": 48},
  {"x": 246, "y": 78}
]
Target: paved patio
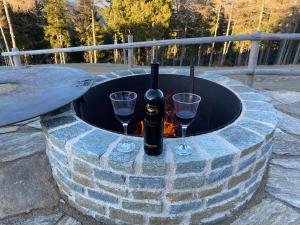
[{"x": 29, "y": 196}]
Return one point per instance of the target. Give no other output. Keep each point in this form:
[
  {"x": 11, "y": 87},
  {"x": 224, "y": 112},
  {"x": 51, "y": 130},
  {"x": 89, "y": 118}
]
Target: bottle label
[
  {"x": 151, "y": 146},
  {"x": 151, "y": 123},
  {"x": 151, "y": 110}
]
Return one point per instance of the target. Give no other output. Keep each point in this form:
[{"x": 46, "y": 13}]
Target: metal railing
[{"x": 256, "y": 39}]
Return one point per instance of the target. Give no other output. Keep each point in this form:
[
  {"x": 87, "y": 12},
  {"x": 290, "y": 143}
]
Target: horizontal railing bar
[
  {"x": 257, "y": 71},
  {"x": 184, "y": 41}
]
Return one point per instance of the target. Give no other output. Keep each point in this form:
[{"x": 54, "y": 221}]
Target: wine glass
[
  {"x": 186, "y": 105},
  {"x": 124, "y": 103}
]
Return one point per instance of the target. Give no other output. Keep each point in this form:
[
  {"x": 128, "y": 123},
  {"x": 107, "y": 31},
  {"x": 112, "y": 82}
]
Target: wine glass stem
[
  {"x": 125, "y": 125},
  {"x": 183, "y": 127}
]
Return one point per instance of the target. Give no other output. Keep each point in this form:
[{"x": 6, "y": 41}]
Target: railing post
[
  {"x": 253, "y": 57},
  {"x": 130, "y": 52},
  {"x": 16, "y": 58}
]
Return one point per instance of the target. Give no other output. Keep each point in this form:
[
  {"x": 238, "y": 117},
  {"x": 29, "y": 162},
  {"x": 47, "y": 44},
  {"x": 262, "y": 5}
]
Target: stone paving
[{"x": 28, "y": 195}]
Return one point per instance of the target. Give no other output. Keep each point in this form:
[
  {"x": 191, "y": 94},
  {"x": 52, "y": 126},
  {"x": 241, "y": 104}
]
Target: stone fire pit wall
[{"x": 216, "y": 180}]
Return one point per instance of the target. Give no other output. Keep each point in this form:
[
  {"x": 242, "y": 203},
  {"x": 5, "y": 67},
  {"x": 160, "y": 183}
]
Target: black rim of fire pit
[{"x": 219, "y": 106}]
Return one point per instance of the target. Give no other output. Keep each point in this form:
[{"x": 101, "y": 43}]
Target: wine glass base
[
  {"x": 183, "y": 150},
  {"x": 125, "y": 147}
]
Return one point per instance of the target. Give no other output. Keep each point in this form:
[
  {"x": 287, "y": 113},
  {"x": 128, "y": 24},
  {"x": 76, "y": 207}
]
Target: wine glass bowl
[
  {"x": 186, "y": 107},
  {"x": 123, "y": 103}
]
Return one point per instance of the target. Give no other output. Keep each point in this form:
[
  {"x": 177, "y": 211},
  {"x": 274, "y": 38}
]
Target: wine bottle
[{"x": 154, "y": 115}]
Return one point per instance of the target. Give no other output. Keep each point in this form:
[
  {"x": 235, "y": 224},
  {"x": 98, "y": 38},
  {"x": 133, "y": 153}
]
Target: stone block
[
  {"x": 110, "y": 75},
  {"x": 89, "y": 204},
  {"x": 95, "y": 142},
  {"x": 56, "y": 122},
  {"x": 124, "y": 161},
  {"x": 252, "y": 180},
  {"x": 215, "y": 77},
  {"x": 154, "y": 165},
  {"x": 26, "y": 185},
  {"x": 179, "y": 196},
  {"x": 274, "y": 212},
  {"x": 238, "y": 179},
  {"x": 61, "y": 136},
  {"x": 47, "y": 219},
  {"x": 62, "y": 186},
  {"x": 245, "y": 162},
  {"x": 242, "y": 89},
  {"x": 265, "y": 117},
  {"x": 72, "y": 185},
  {"x": 55, "y": 164},
  {"x": 67, "y": 220},
  {"x": 84, "y": 181},
  {"x": 188, "y": 182},
  {"x": 222, "y": 197},
  {"x": 122, "y": 73},
  {"x": 256, "y": 126},
  {"x": 221, "y": 161},
  {"x": 17, "y": 145},
  {"x": 86, "y": 156},
  {"x": 165, "y": 71},
  {"x": 105, "y": 220},
  {"x": 146, "y": 182},
  {"x": 218, "y": 219},
  {"x": 261, "y": 106},
  {"x": 254, "y": 97},
  {"x": 267, "y": 148},
  {"x": 146, "y": 195},
  {"x": 82, "y": 167},
  {"x": 59, "y": 111},
  {"x": 184, "y": 207},
  {"x": 243, "y": 139},
  {"x": 59, "y": 156},
  {"x": 128, "y": 217},
  {"x": 259, "y": 165},
  {"x": 198, "y": 217},
  {"x": 138, "y": 71},
  {"x": 208, "y": 192},
  {"x": 192, "y": 163},
  {"x": 102, "y": 196},
  {"x": 112, "y": 189},
  {"x": 109, "y": 176},
  {"x": 142, "y": 206},
  {"x": 165, "y": 220},
  {"x": 217, "y": 148},
  {"x": 220, "y": 174}
]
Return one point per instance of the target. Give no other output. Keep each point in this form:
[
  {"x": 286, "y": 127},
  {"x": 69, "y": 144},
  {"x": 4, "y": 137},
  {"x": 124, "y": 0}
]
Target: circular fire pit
[
  {"x": 231, "y": 141},
  {"x": 218, "y": 108}
]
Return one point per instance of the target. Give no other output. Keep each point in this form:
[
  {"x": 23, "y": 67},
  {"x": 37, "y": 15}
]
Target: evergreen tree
[
  {"x": 143, "y": 19},
  {"x": 57, "y": 30},
  {"x": 88, "y": 27}
]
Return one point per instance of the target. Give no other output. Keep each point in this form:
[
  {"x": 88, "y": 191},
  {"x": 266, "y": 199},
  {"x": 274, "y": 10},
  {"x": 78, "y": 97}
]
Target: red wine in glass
[
  {"x": 123, "y": 103},
  {"x": 185, "y": 117},
  {"x": 124, "y": 115}
]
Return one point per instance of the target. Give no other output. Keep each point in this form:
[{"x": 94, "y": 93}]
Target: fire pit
[
  {"x": 231, "y": 140},
  {"x": 218, "y": 108}
]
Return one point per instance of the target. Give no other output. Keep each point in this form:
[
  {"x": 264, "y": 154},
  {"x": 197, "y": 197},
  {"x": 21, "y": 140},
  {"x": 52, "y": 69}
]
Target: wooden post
[
  {"x": 16, "y": 58},
  {"x": 130, "y": 52},
  {"x": 253, "y": 57}
]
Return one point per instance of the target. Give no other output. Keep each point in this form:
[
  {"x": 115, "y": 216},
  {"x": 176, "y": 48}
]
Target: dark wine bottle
[{"x": 154, "y": 115}]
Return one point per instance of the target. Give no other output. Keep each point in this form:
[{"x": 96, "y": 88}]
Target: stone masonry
[{"x": 206, "y": 187}]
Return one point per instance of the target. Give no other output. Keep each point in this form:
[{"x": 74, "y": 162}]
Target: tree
[
  {"x": 2, "y": 25},
  {"x": 88, "y": 27},
  {"x": 57, "y": 28},
  {"x": 144, "y": 19},
  {"x": 17, "y": 6},
  {"x": 191, "y": 18}
]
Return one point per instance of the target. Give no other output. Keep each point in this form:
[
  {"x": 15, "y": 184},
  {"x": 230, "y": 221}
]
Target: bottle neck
[{"x": 154, "y": 75}]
